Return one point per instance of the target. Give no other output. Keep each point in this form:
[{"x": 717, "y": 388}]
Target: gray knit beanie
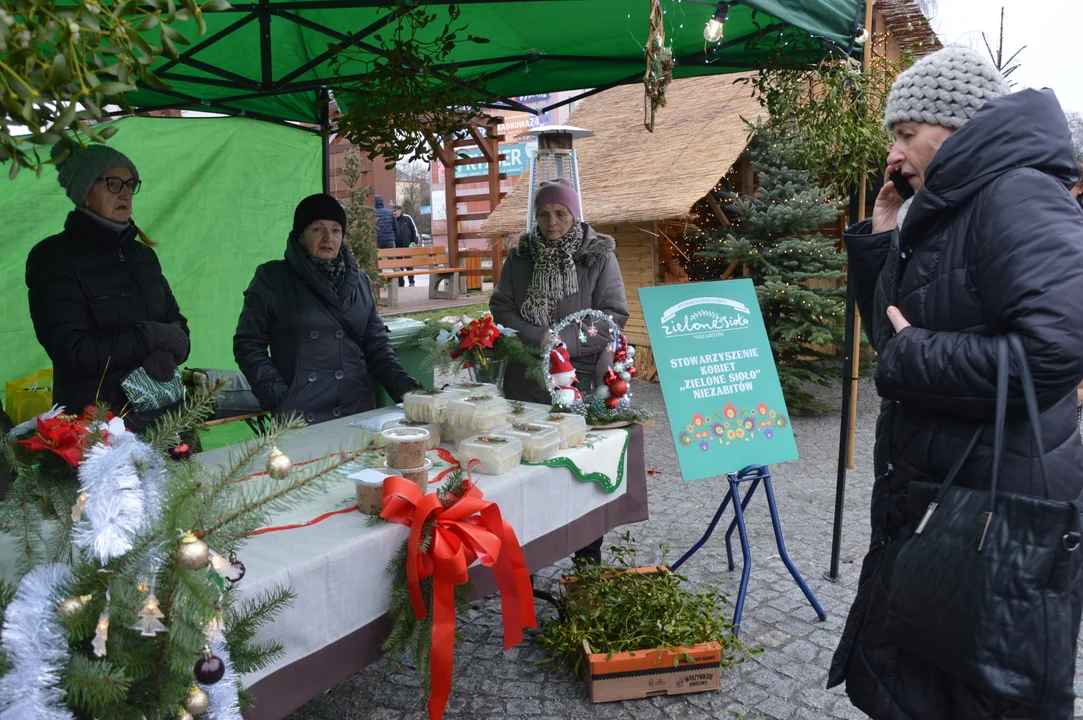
[
  {"x": 944, "y": 88},
  {"x": 85, "y": 165}
]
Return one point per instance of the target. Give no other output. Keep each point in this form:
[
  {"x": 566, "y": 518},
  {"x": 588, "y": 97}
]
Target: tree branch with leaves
[{"x": 62, "y": 62}]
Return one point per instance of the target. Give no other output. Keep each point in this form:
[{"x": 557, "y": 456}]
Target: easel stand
[{"x": 756, "y": 474}]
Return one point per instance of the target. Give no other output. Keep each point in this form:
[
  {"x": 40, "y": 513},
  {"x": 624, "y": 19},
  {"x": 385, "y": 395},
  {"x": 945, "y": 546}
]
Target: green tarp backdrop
[{"x": 218, "y": 197}]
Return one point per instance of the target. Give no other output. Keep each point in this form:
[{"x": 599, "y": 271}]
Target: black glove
[
  {"x": 169, "y": 337},
  {"x": 160, "y": 365}
]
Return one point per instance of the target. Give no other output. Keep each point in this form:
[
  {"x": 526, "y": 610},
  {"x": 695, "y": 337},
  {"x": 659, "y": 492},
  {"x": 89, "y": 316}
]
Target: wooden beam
[{"x": 717, "y": 208}]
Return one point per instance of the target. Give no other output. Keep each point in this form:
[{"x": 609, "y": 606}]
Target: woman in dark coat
[
  {"x": 314, "y": 312},
  {"x": 99, "y": 302},
  {"x": 991, "y": 244},
  {"x": 560, "y": 267}
]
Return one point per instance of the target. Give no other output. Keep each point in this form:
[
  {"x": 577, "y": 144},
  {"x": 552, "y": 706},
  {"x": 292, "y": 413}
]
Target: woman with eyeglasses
[{"x": 99, "y": 302}]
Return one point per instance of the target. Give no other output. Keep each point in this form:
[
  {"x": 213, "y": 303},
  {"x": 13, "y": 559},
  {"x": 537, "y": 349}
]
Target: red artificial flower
[
  {"x": 62, "y": 435},
  {"x": 479, "y": 334}
]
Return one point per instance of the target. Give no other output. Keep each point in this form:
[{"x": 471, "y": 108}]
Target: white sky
[{"x": 1052, "y": 30}]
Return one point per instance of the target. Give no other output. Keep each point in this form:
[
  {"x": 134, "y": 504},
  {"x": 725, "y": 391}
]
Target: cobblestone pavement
[{"x": 785, "y": 682}]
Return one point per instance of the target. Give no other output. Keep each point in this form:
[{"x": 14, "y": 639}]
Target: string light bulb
[
  {"x": 716, "y": 26},
  {"x": 861, "y": 34}
]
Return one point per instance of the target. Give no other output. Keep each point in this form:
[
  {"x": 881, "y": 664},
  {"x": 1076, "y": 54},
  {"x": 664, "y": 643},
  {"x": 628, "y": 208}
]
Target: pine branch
[
  {"x": 94, "y": 685},
  {"x": 170, "y": 427}
]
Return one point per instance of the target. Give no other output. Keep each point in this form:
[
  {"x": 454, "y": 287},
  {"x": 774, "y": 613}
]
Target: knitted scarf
[
  {"x": 555, "y": 276},
  {"x": 333, "y": 270}
]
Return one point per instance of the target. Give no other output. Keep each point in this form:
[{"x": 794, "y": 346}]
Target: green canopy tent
[{"x": 273, "y": 59}]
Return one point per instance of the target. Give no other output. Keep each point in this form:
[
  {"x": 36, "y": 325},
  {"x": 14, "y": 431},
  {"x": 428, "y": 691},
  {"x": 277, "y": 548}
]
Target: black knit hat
[{"x": 317, "y": 207}]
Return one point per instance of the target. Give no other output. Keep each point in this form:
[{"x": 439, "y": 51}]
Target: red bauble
[
  {"x": 209, "y": 669},
  {"x": 618, "y": 388},
  {"x": 181, "y": 452},
  {"x": 611, "y": 402},
  {"x": 620, "y": 356},
  {"x": 631, "y": 369}
]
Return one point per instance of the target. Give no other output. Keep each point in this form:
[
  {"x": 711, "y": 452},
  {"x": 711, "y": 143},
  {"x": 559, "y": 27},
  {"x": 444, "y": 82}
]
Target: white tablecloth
[{"x": 335, "y": 562}]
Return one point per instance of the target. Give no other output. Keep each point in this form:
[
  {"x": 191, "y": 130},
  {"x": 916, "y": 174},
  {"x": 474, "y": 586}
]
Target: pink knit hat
[{"x": 561, "y": 192}]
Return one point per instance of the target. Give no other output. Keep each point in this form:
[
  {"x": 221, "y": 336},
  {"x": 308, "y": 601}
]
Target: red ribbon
[{"x": 468, "y": 529}]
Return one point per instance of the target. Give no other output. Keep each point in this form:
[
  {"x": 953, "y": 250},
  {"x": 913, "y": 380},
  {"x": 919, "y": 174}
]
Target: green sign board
[{"x": 723, "y": 398}]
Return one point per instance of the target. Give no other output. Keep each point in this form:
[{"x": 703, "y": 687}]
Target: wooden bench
[{"x": 395, "y": 263}]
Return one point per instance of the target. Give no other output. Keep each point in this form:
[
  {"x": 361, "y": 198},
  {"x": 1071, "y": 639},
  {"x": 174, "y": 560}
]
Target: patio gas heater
[{"x": 555, "y": 159}]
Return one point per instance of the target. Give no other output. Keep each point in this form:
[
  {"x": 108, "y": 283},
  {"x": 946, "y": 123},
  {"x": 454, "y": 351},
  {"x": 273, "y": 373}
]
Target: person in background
[
  {"x": 310, "y": 334},
  {"x": 100, "y": 305},
  {"x": 560, "y": 267},
  {"x": 406, "y": 231},
  {"x": 982, "y": 250},
  {"x": 386, "y": 234}
]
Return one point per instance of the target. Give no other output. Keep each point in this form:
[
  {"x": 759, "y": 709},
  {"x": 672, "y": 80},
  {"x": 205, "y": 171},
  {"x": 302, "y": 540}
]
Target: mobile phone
[{"x": 902, "y": 185}]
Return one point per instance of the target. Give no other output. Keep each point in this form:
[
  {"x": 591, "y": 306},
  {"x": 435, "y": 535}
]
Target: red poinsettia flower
[
  {"x": 479, "y": 334},
  {"x": 62, "y": 435}
]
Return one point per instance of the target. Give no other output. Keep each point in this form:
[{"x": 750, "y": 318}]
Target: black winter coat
[
  {"x": 88, "y": 287},
  {"x": 386, "y": 232},
  {"x": 315, "y": 367},
  {"x": 992, "y": 244}
]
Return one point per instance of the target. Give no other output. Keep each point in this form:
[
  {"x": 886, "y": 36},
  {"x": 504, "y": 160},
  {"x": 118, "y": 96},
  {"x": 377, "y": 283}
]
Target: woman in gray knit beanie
[
  {"x": 100, "y": 305},
  {"x": 989, "y": 245}
]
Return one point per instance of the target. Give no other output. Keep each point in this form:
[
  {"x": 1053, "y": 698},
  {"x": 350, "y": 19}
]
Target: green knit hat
[{"x": 85, "y": 165}]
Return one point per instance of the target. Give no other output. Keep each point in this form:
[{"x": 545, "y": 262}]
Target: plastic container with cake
[
  {"x": 573, "y": 428},
  {"x": 540, "y": 442},
  {"x": 498, "y": 454},
  {"x": 429, "y": 405},
  {"x": 480, "y": 412}
]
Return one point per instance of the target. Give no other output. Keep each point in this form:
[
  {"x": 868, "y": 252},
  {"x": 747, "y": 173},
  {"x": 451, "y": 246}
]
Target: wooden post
[
  {"x": 855, "y": 366},
  {"x": 496, "y": 245},
  {"x": 452, "y": 204}
]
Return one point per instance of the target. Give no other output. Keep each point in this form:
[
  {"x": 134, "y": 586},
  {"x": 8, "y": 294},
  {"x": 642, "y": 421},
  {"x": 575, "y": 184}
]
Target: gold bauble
[
  {"x": 196, "y": 701},
  {"x": 73, "y": 605},
  {"x": 183, "y": 714},
  {"x": 279, "y": 464},
  {"x": 193, "y": 553}
]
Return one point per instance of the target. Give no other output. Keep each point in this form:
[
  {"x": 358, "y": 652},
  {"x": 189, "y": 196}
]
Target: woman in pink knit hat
[{"x": 560, "y": 267}]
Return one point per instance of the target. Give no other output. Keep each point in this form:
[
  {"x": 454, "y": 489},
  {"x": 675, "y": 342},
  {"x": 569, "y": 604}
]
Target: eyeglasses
[{"x": 116, "y": 185}]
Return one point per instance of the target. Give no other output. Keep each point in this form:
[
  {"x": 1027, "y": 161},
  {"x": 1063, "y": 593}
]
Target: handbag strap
[{"x": 1031, "y": 399}]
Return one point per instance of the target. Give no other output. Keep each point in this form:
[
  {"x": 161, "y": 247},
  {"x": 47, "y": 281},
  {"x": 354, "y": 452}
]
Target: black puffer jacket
[
  {"x": 386, "y": 232},
  {"x": 992, "y": 244},
  {"x": 88, "y": 287},
  {"x": 314, "y": 368}
]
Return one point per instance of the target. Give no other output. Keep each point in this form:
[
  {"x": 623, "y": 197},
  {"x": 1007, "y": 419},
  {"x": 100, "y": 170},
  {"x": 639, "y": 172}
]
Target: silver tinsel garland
[
  {"x": 223, "y": 703},
  {"x": 36, "y": 647},
  {"x": 122, "y": 478}
]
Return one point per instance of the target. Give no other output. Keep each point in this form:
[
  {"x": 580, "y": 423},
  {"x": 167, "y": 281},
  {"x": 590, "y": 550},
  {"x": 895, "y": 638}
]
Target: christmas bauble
[
  {"x": 193, "y": 553},
  {"x": 183, "y": 714},
  {"x": 618, "y": 387},
  {"x": 611, "y": 402},
  {"x": 631, "y": 351},
  {"x": 209, "y": 669},
  {"x": 181, "y": 452},
  {"x": 632, "y": 370},
  {"x": 74, "y": 604},
  {"x": 279, "y": 464},
  {"x": 196, "y": 701}
]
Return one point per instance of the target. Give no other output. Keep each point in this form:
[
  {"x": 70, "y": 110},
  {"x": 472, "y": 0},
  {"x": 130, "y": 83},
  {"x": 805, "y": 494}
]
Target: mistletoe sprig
[
  {"x": 407, "y": 94},
  {"x": 61, "y": 62}
]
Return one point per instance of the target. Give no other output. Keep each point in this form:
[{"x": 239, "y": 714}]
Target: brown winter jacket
[{"x": 600, "y": 288}]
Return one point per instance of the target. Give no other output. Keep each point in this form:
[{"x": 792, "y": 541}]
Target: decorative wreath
[{"x": 611, "y": 404}]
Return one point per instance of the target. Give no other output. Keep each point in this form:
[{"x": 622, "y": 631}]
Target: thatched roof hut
[{"x": 629, "y": 175}]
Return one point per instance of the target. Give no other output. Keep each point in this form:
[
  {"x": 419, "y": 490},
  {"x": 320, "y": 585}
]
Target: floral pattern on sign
[{"x": 731, "y": 425}]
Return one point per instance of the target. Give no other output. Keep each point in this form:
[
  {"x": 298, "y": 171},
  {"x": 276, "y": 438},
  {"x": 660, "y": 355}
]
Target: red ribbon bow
[{"x": 468, "y": 529}]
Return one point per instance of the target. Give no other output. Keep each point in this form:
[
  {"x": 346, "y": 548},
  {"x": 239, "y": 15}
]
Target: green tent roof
[{"x": 270, "y": 58}]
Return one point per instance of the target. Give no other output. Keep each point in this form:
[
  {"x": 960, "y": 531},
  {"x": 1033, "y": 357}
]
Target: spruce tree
[{"x": 775, "y": 238}]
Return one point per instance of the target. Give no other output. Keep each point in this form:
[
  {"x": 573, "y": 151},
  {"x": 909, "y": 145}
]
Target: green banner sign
[{"x": 723, "y": 398}]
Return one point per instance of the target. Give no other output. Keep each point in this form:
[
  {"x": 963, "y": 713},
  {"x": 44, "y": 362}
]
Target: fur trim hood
[{"x": 594, "y": 248}]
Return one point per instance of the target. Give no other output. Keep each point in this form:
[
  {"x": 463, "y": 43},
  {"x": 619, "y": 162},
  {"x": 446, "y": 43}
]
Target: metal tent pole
[{"x": 325, "y": 134}]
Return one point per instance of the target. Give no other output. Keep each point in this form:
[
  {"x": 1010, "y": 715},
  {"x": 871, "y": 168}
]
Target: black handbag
[{"x": 982, "y": 588}]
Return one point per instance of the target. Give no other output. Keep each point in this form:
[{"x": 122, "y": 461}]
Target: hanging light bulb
[
  {"x": 716, "y": 26},
  {"x": 862, "y": 34}
]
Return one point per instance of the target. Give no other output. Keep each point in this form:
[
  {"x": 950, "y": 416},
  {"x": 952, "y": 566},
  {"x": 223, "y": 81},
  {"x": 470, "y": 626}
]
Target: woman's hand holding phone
[{"x": 885, "y": 214}]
